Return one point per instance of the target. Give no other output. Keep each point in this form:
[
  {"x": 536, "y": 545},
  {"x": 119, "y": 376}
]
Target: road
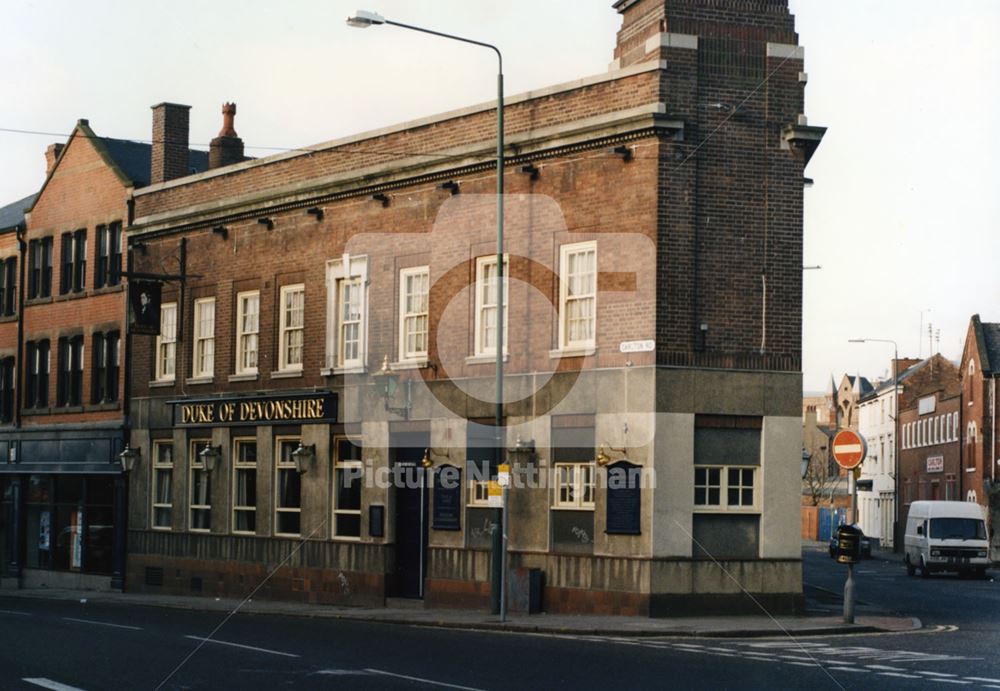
[{"x": 61, "y": 645}]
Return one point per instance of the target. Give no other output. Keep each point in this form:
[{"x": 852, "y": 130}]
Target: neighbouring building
[
  {"x": 62, "y": 390},
  {"x": 326, "y": 363},
  {"x": 849, "y": 395},
  {"x": 930, "y": 455}
]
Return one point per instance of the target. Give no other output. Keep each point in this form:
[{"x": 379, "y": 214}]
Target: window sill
[
  {"x": 8, "y": 318},
  {"x": 107, "y": 405},
  {"x": 485, "y": 359},
  {"x": 286, "y": 374},
  {"x": 162, "y": 383},
  {"x": 67, "y": 409},
  {"x": 970, "y": 470},
  {"x": 41, "y": 300},
  {"x": 335, "y": 371},
  {"x": 404, "y": 365},
  {"x": 345, "y": 538},
  {"x": 244, "y": 533},
  {"x": 244, "y": 377},
  {"x": 583, "y": 351},
  {"x": 195, "y": 381},
  {"x": 571, "y": 508},
  {"x": 104, "y": 290},
  {"x": 36, "y": 411},
  {"x": 72, "y": 295},
  {"x": 724, "y": 510},
  {"x": 199, "y": 530}
]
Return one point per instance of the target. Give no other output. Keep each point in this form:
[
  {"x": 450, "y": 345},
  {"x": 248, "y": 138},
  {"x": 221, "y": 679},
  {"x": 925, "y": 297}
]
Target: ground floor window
[
  {"x": 347, "y": 489},
  {"x": 201, "y": 489},
  {"x": 245, "y": 486},
  {"x": 287, "y": 489},
  {"x": 725, "y": 487},
  {"x": 163, "y": 475},
  {"x": 69, "y": 523}
]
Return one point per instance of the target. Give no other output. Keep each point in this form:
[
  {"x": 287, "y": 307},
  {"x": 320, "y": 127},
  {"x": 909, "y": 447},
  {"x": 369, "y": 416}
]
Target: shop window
[
  {"x": 292, "y": 325},
  {"x": 163, "y": 476},
  {"x": 107, "y": 362},
  {"x": 486, "y": 305},
  {"x": 166, "y": 343},
  {"x": 201, "y": 489},
  {"x": 74, "y": 262},
  {"x": 577, "y": 295},
  {"x": 8, "y": 286},
  {"x": 247, "y": 331},
  {"x": 245, "y": 486},
  {"x": 347, "y": 489},
  {"x": 40, "y": 268},
  {"x": 414, "y": 288},
  {"x": 69, "y": 385},
  {"x": 108, "y": 269},
  {"x": 203, "y": 360},
  {"x": 287, "y": 489},
  {"x": 69, "y": 521}
]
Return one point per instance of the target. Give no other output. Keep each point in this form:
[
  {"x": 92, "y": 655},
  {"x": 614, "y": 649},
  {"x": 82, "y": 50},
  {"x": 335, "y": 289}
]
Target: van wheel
[
  {"x": 924, "y": 571},
  {"x": 911, "y": 570}
]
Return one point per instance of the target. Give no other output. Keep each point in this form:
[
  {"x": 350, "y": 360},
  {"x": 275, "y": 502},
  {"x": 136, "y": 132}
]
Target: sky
[{"x": 902, "y": 217}]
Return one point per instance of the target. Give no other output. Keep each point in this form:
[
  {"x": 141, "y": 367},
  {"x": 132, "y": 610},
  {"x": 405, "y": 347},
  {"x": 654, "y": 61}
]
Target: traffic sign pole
[{"x": 849, "y": 450}]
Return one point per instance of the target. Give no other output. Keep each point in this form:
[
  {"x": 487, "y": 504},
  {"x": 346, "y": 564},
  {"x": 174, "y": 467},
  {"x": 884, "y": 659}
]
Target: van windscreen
[{"x": 958, "y": 529}]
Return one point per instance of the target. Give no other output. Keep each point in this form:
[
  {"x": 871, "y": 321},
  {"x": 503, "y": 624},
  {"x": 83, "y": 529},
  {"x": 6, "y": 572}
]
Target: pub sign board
[
  {"x": 144, "y": 307},
  {"x": 303, "y": 408}
]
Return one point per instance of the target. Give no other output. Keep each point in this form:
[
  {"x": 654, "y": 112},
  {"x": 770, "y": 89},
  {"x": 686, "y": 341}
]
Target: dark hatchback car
[{"x": 866, "y": 545}]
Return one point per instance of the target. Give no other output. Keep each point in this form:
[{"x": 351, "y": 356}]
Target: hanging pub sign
[
  {"x": 144, "y": 307},
  {"x": 306, "y": 408}
]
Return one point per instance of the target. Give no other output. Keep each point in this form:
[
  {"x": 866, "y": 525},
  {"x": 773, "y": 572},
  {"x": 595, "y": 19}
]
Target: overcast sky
[{"x": 902, "y": 218}]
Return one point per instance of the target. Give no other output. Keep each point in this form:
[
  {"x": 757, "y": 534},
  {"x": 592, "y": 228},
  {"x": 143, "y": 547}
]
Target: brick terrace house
[
  {"x": 61, "y": 338},
  {"x": 654, "y": 247}
]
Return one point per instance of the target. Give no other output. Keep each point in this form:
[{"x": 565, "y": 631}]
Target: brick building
[
  {"x": 930, "y": 458},
  {"x": 654, "y": 244},
  {"x": 61, "y": 385}
]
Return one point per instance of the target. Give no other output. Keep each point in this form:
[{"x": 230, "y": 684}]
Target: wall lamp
[
  {"x": 531, "y": 171},
  {"x": 388, "y": 383},
  {"x": 128, "y": 458},
  {"x": 211, "y": 456},
  {"x": 304, "y": 456},
  {"x": 623, "y": 151},
  {"x": 604, "y": 459},
  {"x": 266, "y": 222},
  {"x": 381, "y": 198},
  {"x": 426, "y": 461},
  {"x": 451, "y": 186},
  {"x": 221, "y": 230},
  {"x": 315, "y": 211}
]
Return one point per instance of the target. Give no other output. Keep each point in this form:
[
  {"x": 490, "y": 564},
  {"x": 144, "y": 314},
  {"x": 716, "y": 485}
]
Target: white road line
[
  {"x": 947, "y": 681},
  {"x": 886, "y": 667},
  {"x": 849, "y": 669},
  {"x": 429, "y": 682},
  {"x": 986, "y": 679},
  {"x": 49, "y": 684},
  {"x": 897, "y": 674},
  {"x": 936, "y": 674},
  {"x": 240, "y": 645},
  {"x": 14, "y": 611},
  {"x": 801, "y": 664},
  {"x": 103, "y": 623}
]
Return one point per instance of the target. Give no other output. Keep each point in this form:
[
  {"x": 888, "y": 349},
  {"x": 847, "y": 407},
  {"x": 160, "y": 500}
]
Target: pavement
[{"x": 694, "y": 627}]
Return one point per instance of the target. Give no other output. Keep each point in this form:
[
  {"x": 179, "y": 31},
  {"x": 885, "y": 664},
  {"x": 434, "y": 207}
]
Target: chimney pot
[{"x": 227, "y": 148}]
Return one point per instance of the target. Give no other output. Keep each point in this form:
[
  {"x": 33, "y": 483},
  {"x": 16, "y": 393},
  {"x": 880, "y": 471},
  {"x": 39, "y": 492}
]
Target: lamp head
[
  {"x": 387, "y": 379},
  {"x": 128, "y": 458},
  {"x": 602, "y": 458},
  {"x": 363, "y": 19},
  {"x": 210, "y": 456},
  {"x": 426, "y": 461},
  {"x": 303, "y": 457}
]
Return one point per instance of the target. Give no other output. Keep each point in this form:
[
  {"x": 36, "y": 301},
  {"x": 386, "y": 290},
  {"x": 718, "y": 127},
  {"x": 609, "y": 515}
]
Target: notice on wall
[
  {"x": 44, "y": 529},
  {"x": 76, "y": 540}
]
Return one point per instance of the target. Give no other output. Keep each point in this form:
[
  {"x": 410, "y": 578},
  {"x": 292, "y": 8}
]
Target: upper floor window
[
  {"x": 414, "y": 288},
  {"x": 69, "y": 386},
  {"x": 107, "y": 362},
  {"x": 36, "y": 385},
  {"x": 577, "y": 295},
  {"x": 486, "y": 305},
  {"x": 8, "y": 286},
  {"x": 292, "y": 339},
  {"x": 74, "y": 261},
  {"x": 247, "y": 331},
  {"x": 203, "y": 360},
  {"x": 108, "y": 270},
  {"x": 6, "y": 389},
  {"x": 166, "y": 343},
  {"x": 347, "y": 293},
  {"x": 40, "y": 268}
]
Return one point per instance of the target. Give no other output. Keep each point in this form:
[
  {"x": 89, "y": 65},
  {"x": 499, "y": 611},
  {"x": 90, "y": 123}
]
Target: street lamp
[
  {"x": 895, "y": 433},
  {"x": 363, "y": 19},
  {"x": 806, "y": 457}
]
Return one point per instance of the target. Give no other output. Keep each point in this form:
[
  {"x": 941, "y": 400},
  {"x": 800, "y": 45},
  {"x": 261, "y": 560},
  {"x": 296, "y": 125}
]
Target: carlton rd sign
[
  {"x": 320, "y": 406},
  {"x": 849, "y": 449}
]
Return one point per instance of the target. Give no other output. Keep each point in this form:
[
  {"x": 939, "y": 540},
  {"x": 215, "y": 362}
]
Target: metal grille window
[
  {"x": 578, "y": 295},
  {"x": 108, "y": 269},
  {"x": 292, "y": 322},
  {"x": 74, "y": 261},
  {"x": 204, "y": 338},
  {"x": 486, "y": 305},
  {"x": 36, "y": 385},
  {"x": 163, "y": 476},
  {"x": 106, "y": 355},
  {"x": 245, "y": 486},
  {"x": 69, "y": 386},
  {"x": 414, "y": 286},
  {"x": 247, "y": 331},
  {"x": 287, "y": 489},
  {"x": 575, "y": 486},
  {"x": 201, "y": 489},
  {"x": 347, "y": 490},
  {"x": 166, "y": 343}
]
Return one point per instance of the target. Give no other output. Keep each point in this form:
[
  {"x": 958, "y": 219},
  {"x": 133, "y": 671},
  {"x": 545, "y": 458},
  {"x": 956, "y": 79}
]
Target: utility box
[
  {"x": 848, "y": 545},
  {"x": 524, "y": 591}
]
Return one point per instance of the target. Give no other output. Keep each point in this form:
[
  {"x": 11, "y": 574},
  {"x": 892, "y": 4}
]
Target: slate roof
[
  {"x": 991, "y": 342},
  {"x": 13, "y": 214},
  {"x": 134, "y": 159}
]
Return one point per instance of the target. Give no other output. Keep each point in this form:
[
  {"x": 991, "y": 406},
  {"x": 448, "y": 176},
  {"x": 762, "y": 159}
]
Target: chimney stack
[
  {"x": 170, "y": 142},
  {"x": 227, "y": 148},
  {"x": 51, "y": 156}
]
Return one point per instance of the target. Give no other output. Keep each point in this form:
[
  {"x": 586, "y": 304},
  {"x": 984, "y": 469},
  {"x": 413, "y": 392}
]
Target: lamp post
[
  {"x": 362, "y": 20},
  {"x": 895, "y": 433}
]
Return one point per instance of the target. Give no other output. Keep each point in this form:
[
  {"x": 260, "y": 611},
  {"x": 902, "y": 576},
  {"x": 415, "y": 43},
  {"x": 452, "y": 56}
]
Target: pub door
[{"x": 412, "y": 499}]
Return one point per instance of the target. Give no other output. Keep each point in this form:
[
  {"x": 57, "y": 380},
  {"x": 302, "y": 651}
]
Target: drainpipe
[
  {"x": 19, "y": 365},
  {"x": 993, "y": 435}
]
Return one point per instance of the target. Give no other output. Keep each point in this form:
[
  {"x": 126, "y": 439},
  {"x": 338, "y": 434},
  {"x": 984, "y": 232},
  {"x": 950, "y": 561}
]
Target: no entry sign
[{"x": 849, "y": 449}]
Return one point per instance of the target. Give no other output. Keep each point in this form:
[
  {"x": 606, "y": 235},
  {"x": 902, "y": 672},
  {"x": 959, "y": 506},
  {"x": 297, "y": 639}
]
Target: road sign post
[{"x": 849, "y": 450}]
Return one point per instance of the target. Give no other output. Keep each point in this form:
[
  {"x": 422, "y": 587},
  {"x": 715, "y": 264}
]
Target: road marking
[
  {"x": 240, "y": 645},
  {"x": 429, "y": 682},
  {"x": 886, "y": 667},
  {"x": 103, "y": 623},
  {"x": 49, "y": 684},
  {"x": 801, "y": 664},
  {"x": 986, "y": 679},
  {"x": 948, "y": 681},
  {"x": 897, "y": 674},
  {"x": 936, "y": 674},
  {"x": 14, "y": 611},
  {"x": 849, "y": 669}
]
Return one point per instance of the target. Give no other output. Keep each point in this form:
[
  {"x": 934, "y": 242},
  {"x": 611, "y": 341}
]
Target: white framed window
[
  {"x": 201, "y": 489},
  {"x": 575, "y": 485},
  {"x": 414, "y": 289},
  {"x": 245, "y": 486},
  {"x": 163, "y": 483},
  {"x": 347, "y": 308},
  {"x": 247, "y": 331},
  {"x": 479, "y": 492},
  {"x": 577, "y": 295},
  {"x": 725, "y": 488},
  {"x": 287, "y": 489},
  {"x": 347, "y": 478},
  {"x": 166, "y": 343},
  {"x": 291, "y": 327},
  {"x": 485, "y": 341},
  {"x": 203, "y": 360}
]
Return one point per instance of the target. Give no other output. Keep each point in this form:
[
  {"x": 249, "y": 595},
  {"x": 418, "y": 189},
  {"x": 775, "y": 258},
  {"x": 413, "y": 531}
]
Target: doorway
[{"x": 412, "y": 499}]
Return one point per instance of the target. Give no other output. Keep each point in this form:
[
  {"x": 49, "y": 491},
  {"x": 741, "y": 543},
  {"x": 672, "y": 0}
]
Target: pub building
[{"x": 328, "y": 335}]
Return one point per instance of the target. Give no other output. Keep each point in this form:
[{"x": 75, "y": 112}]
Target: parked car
[
  {"x": 946, "y": 536},
  {"x": 866, "y": 544}
]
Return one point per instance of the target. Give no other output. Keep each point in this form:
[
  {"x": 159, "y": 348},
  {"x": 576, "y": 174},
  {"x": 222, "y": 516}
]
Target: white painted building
[{"x": 877, "y": 424}]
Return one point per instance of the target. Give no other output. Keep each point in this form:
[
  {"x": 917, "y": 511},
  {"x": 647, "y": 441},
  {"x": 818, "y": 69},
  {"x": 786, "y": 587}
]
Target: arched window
[{"x": 972, "y": 367}]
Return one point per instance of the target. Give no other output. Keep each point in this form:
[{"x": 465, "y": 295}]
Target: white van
[{"x": 946, "y": 536}]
